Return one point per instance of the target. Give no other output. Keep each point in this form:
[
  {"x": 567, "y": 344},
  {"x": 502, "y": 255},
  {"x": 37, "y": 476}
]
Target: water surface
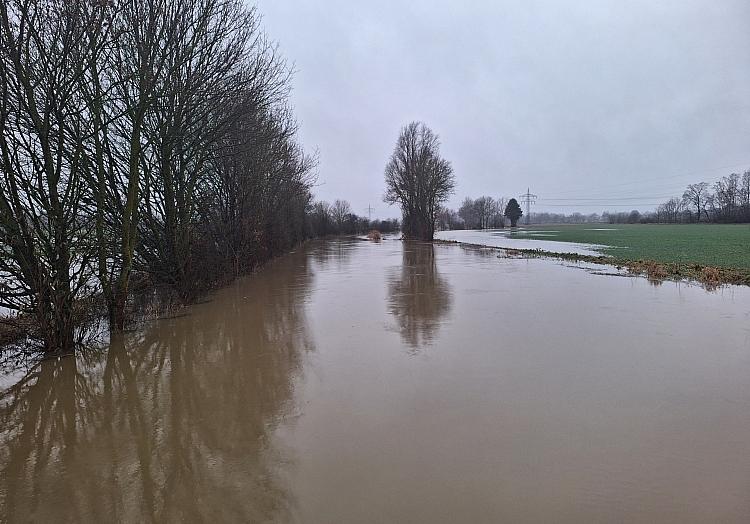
[
  {"x": 518, "y": 239},
  {"x": 398, "y": 382}
]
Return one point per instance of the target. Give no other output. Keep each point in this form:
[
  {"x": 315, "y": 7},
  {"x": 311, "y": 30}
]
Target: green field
[{"x": 706, "y": 244}]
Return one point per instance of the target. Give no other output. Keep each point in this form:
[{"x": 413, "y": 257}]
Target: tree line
[
  {"x": 140, "y": 142},
  {"x": 726, "y": 201},
  {"x": 338, "y": 219},
  {"x": 484, "y": 212}
]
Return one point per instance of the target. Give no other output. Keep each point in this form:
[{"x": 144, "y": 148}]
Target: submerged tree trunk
[
  {"x": 129, "y": 229},
  {"x": 54, "y": 314},
  {"x": 117, "y": 309}
]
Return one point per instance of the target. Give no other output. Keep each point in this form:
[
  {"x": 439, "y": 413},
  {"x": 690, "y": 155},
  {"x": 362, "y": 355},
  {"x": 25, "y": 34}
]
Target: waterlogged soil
[{"x": 353, "y": 381}]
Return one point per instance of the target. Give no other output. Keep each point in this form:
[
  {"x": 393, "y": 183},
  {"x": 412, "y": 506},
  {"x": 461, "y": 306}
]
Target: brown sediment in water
[
  {"x": 710, "y": 276},
  {"x": 354, "y": 381}
]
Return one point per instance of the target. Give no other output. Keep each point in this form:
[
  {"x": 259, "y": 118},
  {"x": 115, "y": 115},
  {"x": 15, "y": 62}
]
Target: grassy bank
[
  {"x": 718, "y": 245},
  {"x": 710, "y": 276}
]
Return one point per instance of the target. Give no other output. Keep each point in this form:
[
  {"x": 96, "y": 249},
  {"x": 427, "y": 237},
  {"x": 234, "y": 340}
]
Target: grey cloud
[{"x": 587, "y": 99}]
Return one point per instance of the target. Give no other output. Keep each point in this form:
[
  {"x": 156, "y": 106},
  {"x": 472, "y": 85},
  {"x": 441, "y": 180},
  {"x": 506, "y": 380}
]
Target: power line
[
  {"x": 528, "y": 199},
  {"x": 675, "y": 189},
  {"x": 572, "y": 199},
  {"x": 658, "y": 179},
  {"x": 634, "y": 204}
]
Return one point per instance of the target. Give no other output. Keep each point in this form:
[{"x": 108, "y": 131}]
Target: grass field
[{"x": 706, "y": 244}]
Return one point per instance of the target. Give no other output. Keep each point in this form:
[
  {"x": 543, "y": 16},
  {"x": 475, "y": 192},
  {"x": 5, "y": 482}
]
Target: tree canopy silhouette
[
  {"x": 513, "y": 212},
  {"x": 418, "y": 179}
]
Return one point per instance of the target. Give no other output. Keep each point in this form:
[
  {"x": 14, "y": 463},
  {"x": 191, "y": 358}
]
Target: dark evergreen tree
[{"x": 513, "y": 212}]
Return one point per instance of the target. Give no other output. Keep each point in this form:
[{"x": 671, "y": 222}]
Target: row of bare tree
[
  {"x": 484, "y": 212},
  {"x": 139, "y": 139},
  {"x": 338, "y": 219},
  {"x": 726, "y": 200}
]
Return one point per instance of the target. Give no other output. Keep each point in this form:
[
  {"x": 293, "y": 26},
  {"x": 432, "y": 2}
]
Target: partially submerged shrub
[
  {"x": 375, "y": 235},
  {"x": 711, "y": 275},
  {"x": 656, "y": 271},
  {"x": 653, "y": 270}
]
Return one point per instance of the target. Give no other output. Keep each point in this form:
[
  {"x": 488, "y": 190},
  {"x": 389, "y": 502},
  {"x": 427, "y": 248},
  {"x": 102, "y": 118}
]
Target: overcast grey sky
[{"x": 590, "y": 99}]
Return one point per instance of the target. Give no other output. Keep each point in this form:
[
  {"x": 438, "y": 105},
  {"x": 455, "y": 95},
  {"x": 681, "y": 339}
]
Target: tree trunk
[
  {"x": 54, "y": 312},
  {"x": 129, "y": 225},
  {"x": 117, "y": 314}
]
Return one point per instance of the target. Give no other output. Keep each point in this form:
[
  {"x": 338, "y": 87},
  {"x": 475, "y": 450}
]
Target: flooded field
[
  {"x": 719, "y": 245},
  {"x": 518, "y": 239},
  {"x": 394, "y": 382}
]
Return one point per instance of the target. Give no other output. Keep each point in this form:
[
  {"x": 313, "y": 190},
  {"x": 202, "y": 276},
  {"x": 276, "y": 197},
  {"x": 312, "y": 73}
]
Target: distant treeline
[
  {"x": 338, "y": 219},
  {"x": 487, "y": 212},
  {"x": 484, "y": 212},
  {"x": 724, "y": 201}
]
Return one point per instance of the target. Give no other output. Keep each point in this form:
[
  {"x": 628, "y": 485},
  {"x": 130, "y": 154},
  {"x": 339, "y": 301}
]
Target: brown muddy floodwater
[{"x": 360, "y": 382}]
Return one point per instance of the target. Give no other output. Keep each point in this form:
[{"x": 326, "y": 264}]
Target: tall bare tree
[
  {"x": 146, "y": 32},
  {"x": 418, "y": 179},
  {"x": 340, "y": 211},
  {"x": 696, "y": 195},
  {"x": 727, "y": 197},
  {"x": 670, "y": 210},
  {"x": 44, "y": 229},
  {"x": 468, "y": 213}
]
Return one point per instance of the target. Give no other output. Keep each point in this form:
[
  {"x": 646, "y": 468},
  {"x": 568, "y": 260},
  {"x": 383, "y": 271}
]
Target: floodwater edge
[{"x": 710, "y": 277}]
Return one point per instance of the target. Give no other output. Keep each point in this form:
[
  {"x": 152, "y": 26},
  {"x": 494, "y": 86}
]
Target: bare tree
[
  {"x": 670, "y": 210},
  {"x": 500, "y": 204},
  {"x": 122, "y": 88},
  {"x": 44, "y": 231},
  {"x": 696, "y": 195},
  {"x": 486, "y": 209},
  {"x": 220, "y": 67},
  {"x": 150, "y": 138},
  {"x": 468, "y": 213},
  {"x": 483, "y": 213},
  {"x": 727, "y": 197},
  {"x": 340, "y": 210},
  {"x": 320, "y": 218},
  {"x": 744, "y": 197},
  {"x": 448, "y": 219},
  {"x": 259, "y": 192},
  {"x": 418, "y": 179}
]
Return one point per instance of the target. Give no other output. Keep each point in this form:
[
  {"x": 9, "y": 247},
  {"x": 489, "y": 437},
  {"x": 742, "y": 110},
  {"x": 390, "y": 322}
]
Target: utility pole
[
  {"x": 370, "y": 209},
  {"x": 528, "y": 198}
]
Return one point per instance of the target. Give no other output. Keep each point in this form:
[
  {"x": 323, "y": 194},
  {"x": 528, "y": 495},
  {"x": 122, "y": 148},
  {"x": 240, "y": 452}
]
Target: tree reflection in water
[
  {"x": 175, "y": 423},
  {"x": 418, "y": 297}
]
